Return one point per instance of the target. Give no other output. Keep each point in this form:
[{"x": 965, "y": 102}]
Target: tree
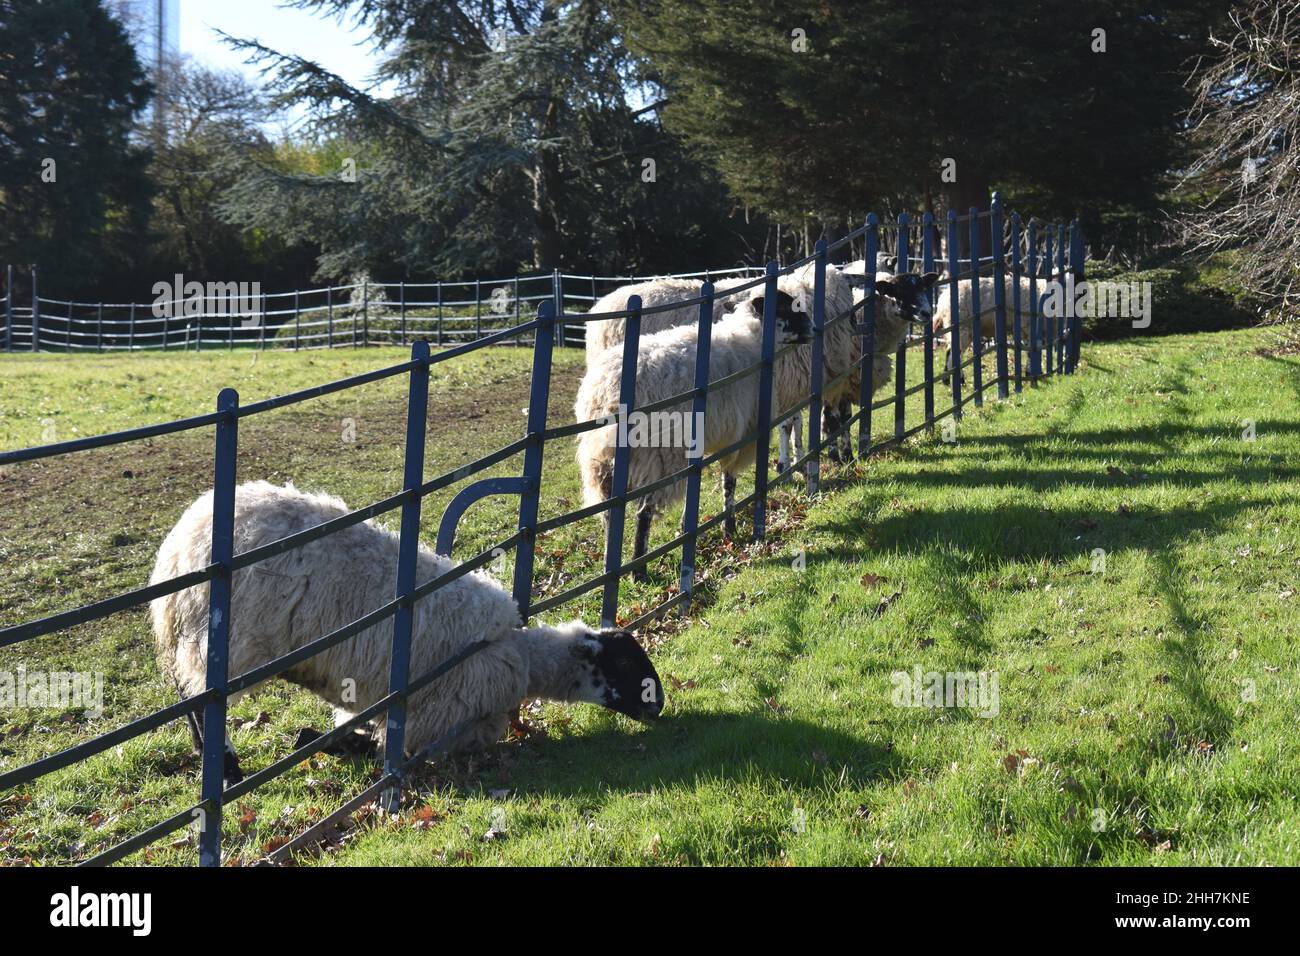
[
  {"x": 513, "y": 140},
  {"x": 814, "y": 110},
  {"x": 74, "y": 191},
  {"x": 1246, "y": 134}
]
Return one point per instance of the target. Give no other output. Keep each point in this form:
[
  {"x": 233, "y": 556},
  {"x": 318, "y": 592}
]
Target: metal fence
[
  {"x": 237, "y": 315},
  {"x": 1028, "y": 346}
]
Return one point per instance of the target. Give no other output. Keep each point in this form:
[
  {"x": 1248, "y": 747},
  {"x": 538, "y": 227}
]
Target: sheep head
[
  {"x": 908, "y": 291},
  {"x": 793, "y": 325},
  {"x": 615, "y": 672}
]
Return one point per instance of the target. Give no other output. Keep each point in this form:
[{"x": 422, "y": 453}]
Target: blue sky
[{"x": 337, "y": 46}]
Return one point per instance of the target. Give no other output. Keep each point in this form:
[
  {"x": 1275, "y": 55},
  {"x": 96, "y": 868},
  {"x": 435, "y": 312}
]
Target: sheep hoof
[{"x": 232, "y": 772}]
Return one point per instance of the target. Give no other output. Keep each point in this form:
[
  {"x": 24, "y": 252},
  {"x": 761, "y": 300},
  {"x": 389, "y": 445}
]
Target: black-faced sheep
[
  {"x": 285, "y": 601},
  {"x": 901, "y": 303},
  {"x": 666, "y": 367}
]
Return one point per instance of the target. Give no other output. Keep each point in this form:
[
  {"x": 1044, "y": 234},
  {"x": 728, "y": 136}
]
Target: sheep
[
  {"x": 901, "y": 301},
  {"x": 840, "y": 348},
  {"x": 606, "y": 333},
  {"x": 988, "y": 313},
  {"x": 666, "y": 367},
  {"x": 287, "y": 600}
]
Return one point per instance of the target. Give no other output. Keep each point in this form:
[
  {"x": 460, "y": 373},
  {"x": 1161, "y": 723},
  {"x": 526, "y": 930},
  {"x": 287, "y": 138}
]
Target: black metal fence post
[
  {"x": 9, "y": 308},
  {"x": 999, "y": 293},
  {"x": 1017, "y": 327},
  {"x": 927, "y": 266},
  {"x": 1035, "y": 316},
  {"x": 699, "y": 409},
  {"x": 557, "y": 293},
  {"x": 36, "y": 314},
  {"x": 1063, "y": 325},
  {"x": 1077, "y": 267},
  {"x": 900, "y": 356},
  {"x": 954, "y": 314},
  {"x": 765, "y": 376},
  {"x": 818, "y": 368},
  {"x": 976, "y": 310},
  {"x": 1048, "y": 320},
  {"x": 867, "y": 386},
  {"x": 219, "y": 592},
  {"x": 408, "y": 550},
  {"x": 622, "y": 455},
  {"x": 538, "y": 398}
]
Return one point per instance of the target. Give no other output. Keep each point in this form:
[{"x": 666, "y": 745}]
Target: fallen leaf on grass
[
  {"x": 273, "y": 844},
  {"x": 885, "y": 602},
  {"x": 871, "y": 580}
]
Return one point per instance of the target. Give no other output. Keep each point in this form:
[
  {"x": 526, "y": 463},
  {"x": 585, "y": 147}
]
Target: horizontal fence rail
[{"x": 1029, "y": 345}]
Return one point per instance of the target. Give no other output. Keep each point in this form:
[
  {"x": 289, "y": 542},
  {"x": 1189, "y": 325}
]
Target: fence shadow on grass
[{"x": 685, "y": 748}]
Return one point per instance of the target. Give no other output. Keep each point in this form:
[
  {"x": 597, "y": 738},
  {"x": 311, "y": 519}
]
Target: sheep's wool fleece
[{"x": 288, "y": 600}]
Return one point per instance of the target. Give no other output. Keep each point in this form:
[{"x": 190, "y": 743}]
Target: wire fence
[
  {"x": 194, "y": 316},
  {"x": 1028, "y": 344}
]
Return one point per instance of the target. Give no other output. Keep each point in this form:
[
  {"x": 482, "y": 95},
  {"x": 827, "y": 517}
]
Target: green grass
[{"x": 1126, "y": 732}]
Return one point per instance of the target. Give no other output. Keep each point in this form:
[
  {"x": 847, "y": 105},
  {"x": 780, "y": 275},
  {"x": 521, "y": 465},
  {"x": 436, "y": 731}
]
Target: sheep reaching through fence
[
  {"x": 666, "y": 367},
  {"x": 290, "y": 599},
  {"x": 901, "y": 302}
]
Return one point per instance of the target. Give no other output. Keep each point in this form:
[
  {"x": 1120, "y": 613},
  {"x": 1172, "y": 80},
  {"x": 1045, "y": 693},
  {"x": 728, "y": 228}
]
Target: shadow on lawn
[
  {"x": 958, "y": 541},
  {"x": 686, "y": 748}
]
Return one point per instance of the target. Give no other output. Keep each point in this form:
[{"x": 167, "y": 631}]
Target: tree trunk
[{"x": 970, "y": 189}]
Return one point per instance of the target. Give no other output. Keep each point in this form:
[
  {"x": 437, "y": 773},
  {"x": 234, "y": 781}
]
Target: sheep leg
[
  {"x": 783, "y": 455},
  {"x": 846, "y": 440},
  {"x": 641, "y": 543},
  {"x": 196, "y": 735},
  {"x": 729, "y": 504},
  {"x": 830, "y": 422},
  {"x": 797, "y": 428},
  {"x": 231, "y": 762}
]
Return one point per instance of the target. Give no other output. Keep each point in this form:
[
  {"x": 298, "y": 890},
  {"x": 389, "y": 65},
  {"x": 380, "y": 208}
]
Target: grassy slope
[
  {"x": 1123, "y": 689},
  {"x": 782, "y": 721}
]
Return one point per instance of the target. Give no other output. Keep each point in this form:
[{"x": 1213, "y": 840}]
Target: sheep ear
[
  {"x": 887, "y": 287},
  {"x": 929, "y": 279},
  {"x": 756, "y": 304}
]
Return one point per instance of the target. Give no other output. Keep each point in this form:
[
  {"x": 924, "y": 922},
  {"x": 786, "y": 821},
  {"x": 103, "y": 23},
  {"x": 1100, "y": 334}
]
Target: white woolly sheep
[
  {"x": 988, "y": 314},
  {"x": 901, "y": 301},
  {"x": 290, "y": 599},
  {"x": 605, "y": 333},
  {"x": 666, "y": 367}
]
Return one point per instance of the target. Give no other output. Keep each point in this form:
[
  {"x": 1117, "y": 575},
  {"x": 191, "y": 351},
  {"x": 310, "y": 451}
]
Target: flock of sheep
[
  {"x": 666, "y": 367},
  {"x": 286, "y": 601}
]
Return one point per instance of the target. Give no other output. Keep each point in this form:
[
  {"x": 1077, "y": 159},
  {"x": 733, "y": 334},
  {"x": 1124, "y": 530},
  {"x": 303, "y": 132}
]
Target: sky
[{"x": 337, "y": 46}]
